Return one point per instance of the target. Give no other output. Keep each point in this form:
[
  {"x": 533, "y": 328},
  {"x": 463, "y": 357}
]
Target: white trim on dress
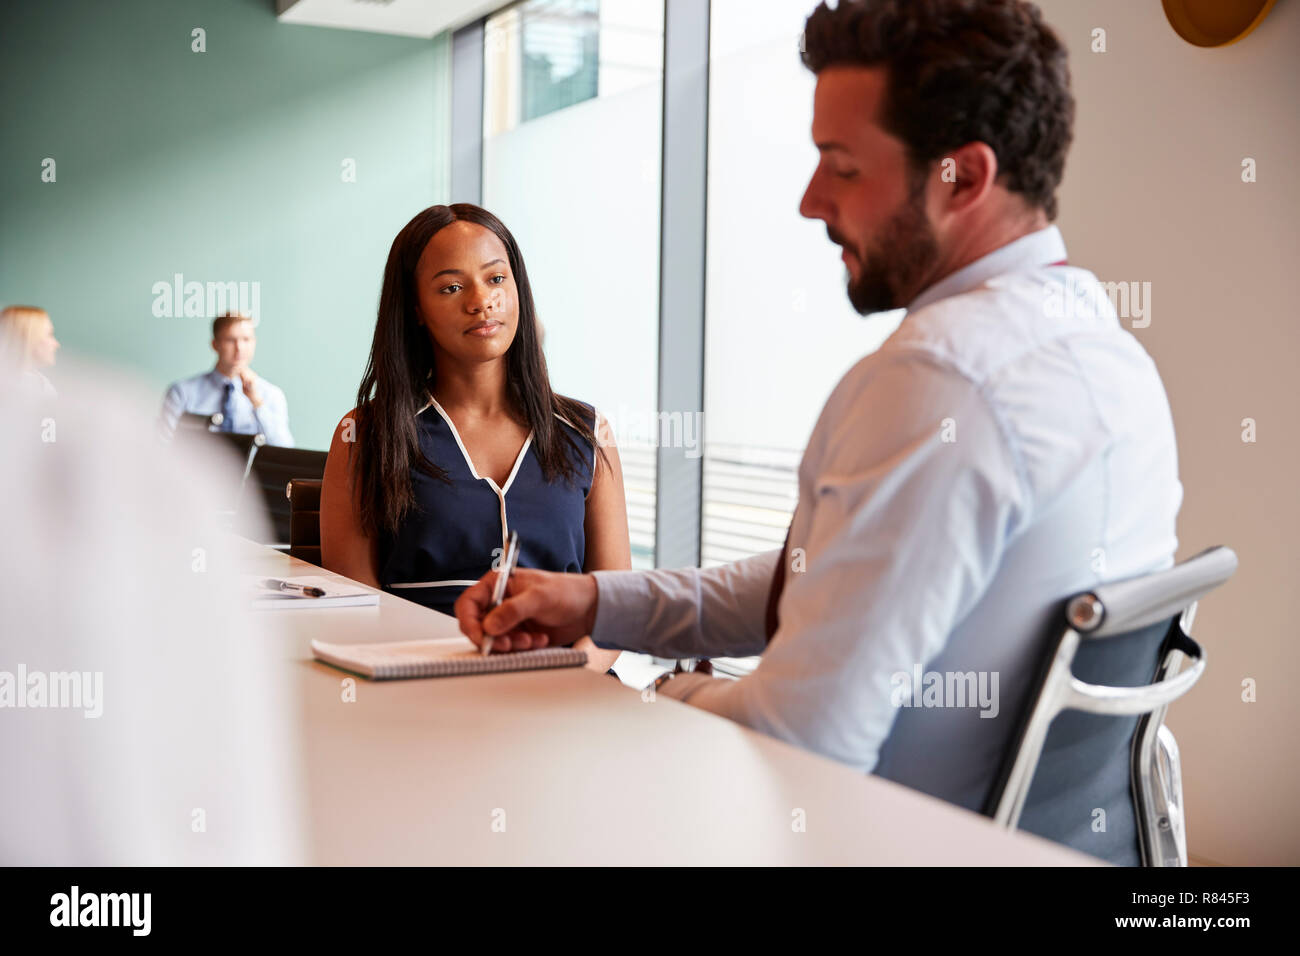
[
  {"x": 500, "y": 492},
  {"x": 432, "y": 584}
]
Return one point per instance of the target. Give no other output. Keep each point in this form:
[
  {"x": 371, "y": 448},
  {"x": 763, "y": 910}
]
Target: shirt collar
[
  {"x": 1032, "y": 251},
  {"x": 220, "y": 379}
]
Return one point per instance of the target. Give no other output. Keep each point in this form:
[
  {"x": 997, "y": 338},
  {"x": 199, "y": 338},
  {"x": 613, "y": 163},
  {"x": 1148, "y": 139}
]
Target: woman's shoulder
[
  {"x": 587, "y": 412},
  {"x": 346, "y": 429}
]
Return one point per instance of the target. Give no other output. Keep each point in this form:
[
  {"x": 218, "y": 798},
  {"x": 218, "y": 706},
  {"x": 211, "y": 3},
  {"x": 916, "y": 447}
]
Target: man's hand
[
  {"x": 541, "y": 609},
  {"x": 249, "y": 381}
]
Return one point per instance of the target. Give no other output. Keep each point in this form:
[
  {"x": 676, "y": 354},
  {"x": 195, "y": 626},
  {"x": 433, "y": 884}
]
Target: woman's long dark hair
[{"x": 400, "y": 378}]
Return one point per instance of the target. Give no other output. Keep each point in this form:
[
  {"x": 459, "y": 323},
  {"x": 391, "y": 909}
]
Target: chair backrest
[
  {"x": 188, "y": 421},
  {"x": 304, "y": 514},
  {"x": 273, "y": 468},
  {"x": 1077, "y": 768},
  {"x": 241, "y": 451}
]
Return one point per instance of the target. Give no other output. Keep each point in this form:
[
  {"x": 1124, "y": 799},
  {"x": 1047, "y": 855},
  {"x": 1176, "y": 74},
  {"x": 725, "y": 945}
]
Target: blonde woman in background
[{"x": 27, "y": 342}]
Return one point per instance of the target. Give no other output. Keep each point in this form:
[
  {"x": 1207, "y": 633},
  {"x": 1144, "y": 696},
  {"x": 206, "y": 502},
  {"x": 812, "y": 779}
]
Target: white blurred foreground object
[{"x": 144, "y": 715}]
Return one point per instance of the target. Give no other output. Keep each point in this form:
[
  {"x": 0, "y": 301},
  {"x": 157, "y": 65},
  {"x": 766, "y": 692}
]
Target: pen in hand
[{"x": 499, "y": 591}]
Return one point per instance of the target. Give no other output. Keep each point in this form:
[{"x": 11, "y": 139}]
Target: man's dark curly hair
[{"x": 960, "y": 71}]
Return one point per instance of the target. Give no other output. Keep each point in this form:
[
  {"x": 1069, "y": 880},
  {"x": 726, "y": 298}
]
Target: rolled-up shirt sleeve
[
  {"x": 910, "y": 509},
  {"x": 692, "y": 612}
]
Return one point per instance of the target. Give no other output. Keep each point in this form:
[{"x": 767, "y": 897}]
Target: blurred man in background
[{"x": 248, "y": 405}]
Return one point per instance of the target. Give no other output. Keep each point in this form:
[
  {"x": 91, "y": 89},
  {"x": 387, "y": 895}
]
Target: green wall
[{"x": 224, "y": 166}]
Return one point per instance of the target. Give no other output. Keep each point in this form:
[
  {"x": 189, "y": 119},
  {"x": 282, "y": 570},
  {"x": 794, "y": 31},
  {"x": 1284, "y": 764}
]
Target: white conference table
[{"x": 581, "y": 770}]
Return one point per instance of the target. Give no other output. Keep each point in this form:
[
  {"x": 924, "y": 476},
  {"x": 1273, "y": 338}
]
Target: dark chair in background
[
  {"x": 239, "y": 451},
  {"x": 272, "y": 470},
  {"x": 188, "y": 422},
  {"x": 259, "y": 476},
  {"x": 1093, "y": 764},
  {"x": 304, "y": 519}
]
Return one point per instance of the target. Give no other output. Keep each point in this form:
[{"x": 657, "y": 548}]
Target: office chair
[
  {"x": 1092, "y": 737},
  {"x": 273, "y": 469},
  {"x": 242, "y": 449},
  {"x": 304, "y": 519},
  {"x": 189, "y": 422}
]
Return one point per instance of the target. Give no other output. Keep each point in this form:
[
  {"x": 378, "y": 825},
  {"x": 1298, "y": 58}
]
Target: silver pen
[
  {"x": 499, "y": 591},
  {"x": 306, "y": 590}
]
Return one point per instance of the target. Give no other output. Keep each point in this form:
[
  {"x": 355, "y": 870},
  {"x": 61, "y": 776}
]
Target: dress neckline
[{"x": 519, "y": 459}]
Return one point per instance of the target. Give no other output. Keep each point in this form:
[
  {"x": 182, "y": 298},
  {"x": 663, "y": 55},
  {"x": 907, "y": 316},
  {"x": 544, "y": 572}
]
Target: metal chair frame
[{"x": 1112, "y": 612}]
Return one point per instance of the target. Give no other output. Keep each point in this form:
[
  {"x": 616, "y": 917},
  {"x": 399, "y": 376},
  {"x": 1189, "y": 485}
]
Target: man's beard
[{"x": 903, "y": 255}]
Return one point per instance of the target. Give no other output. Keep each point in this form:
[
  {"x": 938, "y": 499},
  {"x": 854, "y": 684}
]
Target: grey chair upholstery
[{"x": 1092, "y": 764}]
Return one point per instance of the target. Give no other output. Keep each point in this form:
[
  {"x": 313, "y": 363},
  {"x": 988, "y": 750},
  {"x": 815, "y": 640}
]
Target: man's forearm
[{"x": 691, "y": 612}]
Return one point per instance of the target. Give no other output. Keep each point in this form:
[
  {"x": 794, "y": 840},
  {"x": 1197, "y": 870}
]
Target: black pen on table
[{"x": 499, "y": 591}]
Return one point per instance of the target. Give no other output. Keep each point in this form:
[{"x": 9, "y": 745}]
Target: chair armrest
[{"x": 1137, "y": 602}]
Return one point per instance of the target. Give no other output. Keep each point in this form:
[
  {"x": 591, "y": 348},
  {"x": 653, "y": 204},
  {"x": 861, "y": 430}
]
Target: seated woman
[
  {"x": 457, "y": 438},
  {"x": 27, "y": 345}
]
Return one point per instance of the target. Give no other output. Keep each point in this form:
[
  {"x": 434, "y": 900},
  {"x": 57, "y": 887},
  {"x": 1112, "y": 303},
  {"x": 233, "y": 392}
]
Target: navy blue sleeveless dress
[{"x": 452, "y": 537}]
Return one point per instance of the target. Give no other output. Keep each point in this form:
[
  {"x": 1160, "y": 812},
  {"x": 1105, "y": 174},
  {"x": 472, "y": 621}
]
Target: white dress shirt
[
  {"x": 204, "y": 395},
  {"x": 998, "y": 453}
]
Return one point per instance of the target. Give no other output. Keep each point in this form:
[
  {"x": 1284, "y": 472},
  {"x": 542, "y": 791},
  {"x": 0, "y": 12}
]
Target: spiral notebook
[{"x": 441, "y": 657}]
